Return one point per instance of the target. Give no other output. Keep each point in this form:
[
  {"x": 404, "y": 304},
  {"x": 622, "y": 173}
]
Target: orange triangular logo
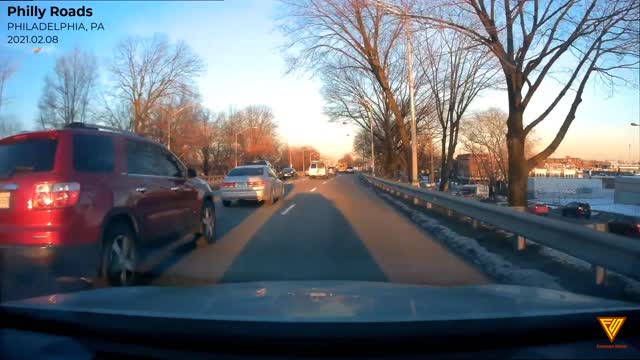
[{"x": 611, "y": 326}]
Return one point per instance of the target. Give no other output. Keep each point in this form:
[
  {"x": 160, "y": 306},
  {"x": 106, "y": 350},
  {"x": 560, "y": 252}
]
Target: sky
[{"x": 240, "y": 46}]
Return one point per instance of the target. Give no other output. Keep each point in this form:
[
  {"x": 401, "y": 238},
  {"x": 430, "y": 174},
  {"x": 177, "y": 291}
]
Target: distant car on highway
[
  {"x": 318, "y": 169},
  {"x": 350, "y": 170},
  {"x": 538, "y": 208},
  {"x": 332, "y": 170},
  {"x": 253, "y": 182},
  {"x": 627, "y": 226},
  {"x": 578, "y": 209},
  {"x": 289, "y": 173},
  {"x": 259, "y": 162}
]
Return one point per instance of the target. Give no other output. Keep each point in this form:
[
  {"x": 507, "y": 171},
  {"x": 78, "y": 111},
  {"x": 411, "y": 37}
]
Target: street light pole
[
  {"x": 638, "y": 125},
  {"x": 238, "y": 133},
  {"x": 414, "y": 135},
  {"x": 373, "y": 158},
  {"x": 169, "y": 122}
]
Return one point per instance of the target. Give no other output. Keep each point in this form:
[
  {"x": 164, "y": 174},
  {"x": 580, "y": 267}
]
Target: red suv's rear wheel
[
  {"x": 208, "y": 222},
  {"x": 119, "y": 263}
]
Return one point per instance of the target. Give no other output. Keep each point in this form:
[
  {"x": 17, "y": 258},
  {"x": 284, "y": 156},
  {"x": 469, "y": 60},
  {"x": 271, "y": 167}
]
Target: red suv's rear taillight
[{"x": 54, "y": 195}]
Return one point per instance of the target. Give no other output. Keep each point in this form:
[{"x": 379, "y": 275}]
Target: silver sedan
[{"x": 251, "y": 182}]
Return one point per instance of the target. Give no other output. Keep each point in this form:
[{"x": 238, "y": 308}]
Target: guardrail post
[
  {"x": 429, "y": 205},
  {"x": 449, "y": 212},
  {"x": 600, "y": 274},
  {"x": 521, "y": 243},
  {"x": 416, "y": 201},
  {"x": 474, "y": 224}
]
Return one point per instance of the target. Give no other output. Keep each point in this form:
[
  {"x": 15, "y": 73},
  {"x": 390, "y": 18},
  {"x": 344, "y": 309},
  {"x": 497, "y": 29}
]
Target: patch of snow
[
  {"x": 631, "y": 210},
  {"x": 600, "y": 201},
  {"x": 493, "y": 264},
  {"x": 566, "y": 259},
  {"x": 631, "y": 286}
]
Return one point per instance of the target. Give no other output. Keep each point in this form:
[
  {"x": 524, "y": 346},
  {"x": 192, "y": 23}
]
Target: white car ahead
[
  {"x": 318, "y": 169},
  {"x": 253, "y": 182}
]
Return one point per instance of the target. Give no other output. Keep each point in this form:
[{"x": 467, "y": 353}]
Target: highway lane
[{"x": 333, "y": 229}]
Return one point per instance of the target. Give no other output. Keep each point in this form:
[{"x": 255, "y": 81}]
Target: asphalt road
[{"x": 334, "y": 229}]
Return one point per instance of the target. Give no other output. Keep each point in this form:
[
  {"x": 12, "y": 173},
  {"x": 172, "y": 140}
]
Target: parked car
[
  {"x": 350, "y": 170},
  {"x": 87, "y": 200},
  {"x": 578, "y": 209},
  {"x": 475, "y": 190},
  {"x": 253, "y": 182},
  {"x": 538, "y": 208},
  {"x": 289, "y": 173},
  {"x": 318, "y": 169},
  {"x": 627, "y": 226}
]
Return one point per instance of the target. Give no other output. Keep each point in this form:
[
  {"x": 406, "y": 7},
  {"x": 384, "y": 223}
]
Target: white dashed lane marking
[
  {"x": 288, "y": 209},
  {"x": 314, "y": 189}
]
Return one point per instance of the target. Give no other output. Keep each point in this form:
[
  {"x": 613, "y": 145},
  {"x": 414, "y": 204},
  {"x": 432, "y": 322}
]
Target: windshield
[
  {"x": 248, "y": 171},
  {"x": 34, "y": 154},
  {"x": 441, "y": 144}
]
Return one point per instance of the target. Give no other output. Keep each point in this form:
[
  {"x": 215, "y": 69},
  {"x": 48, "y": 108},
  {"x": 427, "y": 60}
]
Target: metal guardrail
[{"x": 602, "y": 250}]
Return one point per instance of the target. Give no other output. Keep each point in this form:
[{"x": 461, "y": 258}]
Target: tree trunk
[
  {"x": 518, "y": 167},
  {"x": 443, "y": 163},
  {"x": 205, "y": 161}
]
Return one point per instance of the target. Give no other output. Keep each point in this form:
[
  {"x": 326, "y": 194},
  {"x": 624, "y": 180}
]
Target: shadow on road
[
  {"x": 227, "y": 219},
  {"x": 314, "y": 242}
]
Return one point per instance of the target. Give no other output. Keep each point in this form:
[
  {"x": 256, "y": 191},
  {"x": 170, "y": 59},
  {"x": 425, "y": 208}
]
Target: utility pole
[
  {"x": 170, "y": 117},
  {"x": 414, "y": 135},
  {"x": 303, "y": 168},
  {"x": 238, "y": 133},
  {"x": 367, "y": 108},
  {"x": 432, "y": 175},
  {"x": 290, "y": 162},
  {"x": 638, "y": 126}
]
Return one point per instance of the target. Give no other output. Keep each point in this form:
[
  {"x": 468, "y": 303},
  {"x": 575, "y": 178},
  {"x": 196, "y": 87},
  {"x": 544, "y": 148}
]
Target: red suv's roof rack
[{"x": 81, "y": 125}]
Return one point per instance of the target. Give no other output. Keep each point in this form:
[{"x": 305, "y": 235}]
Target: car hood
[{"x": 322, "y": 301}]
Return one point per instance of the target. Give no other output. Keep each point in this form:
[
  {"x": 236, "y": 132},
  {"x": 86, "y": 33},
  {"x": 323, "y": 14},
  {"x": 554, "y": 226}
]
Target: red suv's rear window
[{"x": 30, "y": 154}]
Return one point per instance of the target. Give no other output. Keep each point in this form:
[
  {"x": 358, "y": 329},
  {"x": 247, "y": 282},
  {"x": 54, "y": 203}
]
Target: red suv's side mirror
[{"x": 191, "y": 173}]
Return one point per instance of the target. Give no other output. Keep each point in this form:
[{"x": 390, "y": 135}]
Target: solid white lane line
[
  {"x": 314, "y": 189},
  {"x": 324, "y": 183},
  {"x": 288, "y": 209}
]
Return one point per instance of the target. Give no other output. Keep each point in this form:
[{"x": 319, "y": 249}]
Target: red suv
[{"x": 87, "y": 200}]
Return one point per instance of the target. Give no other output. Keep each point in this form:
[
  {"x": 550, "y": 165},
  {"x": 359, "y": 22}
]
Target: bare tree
[
  {"x": 360, "y": 33},
  {"x": 146, "y": 71},
  {"x": 532, "y": 39},
  {"x": 353, "y": 96},
  {"x": 9, "y": 126},
  {"x": 7, "y": 68},
  {"x": 456, "y": 73},
  {"x": 67, "y": 94},
  {"x": 485, "y": 132}
]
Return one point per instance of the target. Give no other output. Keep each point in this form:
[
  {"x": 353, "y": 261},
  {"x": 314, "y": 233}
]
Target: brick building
[{"x": 471, "y": 168}]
